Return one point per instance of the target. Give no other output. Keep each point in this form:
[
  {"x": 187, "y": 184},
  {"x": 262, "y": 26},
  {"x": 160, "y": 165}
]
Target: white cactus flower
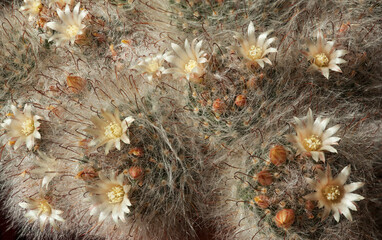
[
  {"x": 152, "y": 67},
  {"x": 109, "y": 196},
  {"x": 324, "y": 56},
  {"x": 311, "y": 137},
  {"x": 70, "y": 27},
  {"x": 255, "y": 50},
  {"x": 22, "y": 127},
  {"x": 39, "y": 209},
  {"x": 110, "y": 130},
  {"x": 333, "y": 194},
  {"x": 189, "y": 61}
]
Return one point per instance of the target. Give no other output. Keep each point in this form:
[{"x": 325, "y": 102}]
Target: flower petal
[
  {"x": 315, "y": 155},
  {"x": 331, "y": 140},
  {"x": 335, "y": 68},
  {"x": 261, "y": 38},
  {"x": 343, "y": 175},
  {"x": 251, "y": 32},
  {"x": 325, "y": 72},
  {"x": 179, "y": 51},
  {"x": 330, "y": 131},
  {"x": 336, "y": 215},
  {"x": 260, "y": 62},
  {"x": 353, "y": 186},
  {"x": 328, "y": 148},
  {"x": 312, "y": 196},
  {"x": 326, "y": 213},
  {"x": 345, "y": 211}
]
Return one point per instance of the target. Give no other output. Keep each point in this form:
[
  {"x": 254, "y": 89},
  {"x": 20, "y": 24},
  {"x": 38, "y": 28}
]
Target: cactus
[{"x": 155, "y": 119}]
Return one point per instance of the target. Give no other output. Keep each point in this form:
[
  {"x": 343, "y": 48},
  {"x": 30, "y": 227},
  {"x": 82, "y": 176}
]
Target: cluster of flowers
[
  {"x": 190, "y": 61},
  {"x": 109, "y": 196},
  {"x": 331, "y": 193}
]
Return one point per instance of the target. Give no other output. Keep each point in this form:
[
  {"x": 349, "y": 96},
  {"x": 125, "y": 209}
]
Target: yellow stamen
[
  {"x": 331, "y": 192},
  {"x": 313, "y": 143},
  {"x": 255, "y": 52},
  {"x": 190, "y": 66},
  {"x": 44, "y": 206},
  {"x": 321, "y": 60},
  {"x": 113, "y": 130},
  {"x": 36, "y": 7},
  {"x": 116, "y": 194},
  {"x": 27, "y": 128},
  {"x": 72, "y": 30},
  {"x": 153, "y": 66}
]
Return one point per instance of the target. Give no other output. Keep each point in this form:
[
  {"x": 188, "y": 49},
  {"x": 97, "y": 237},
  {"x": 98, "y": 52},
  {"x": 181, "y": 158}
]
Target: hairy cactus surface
[{"x": 243, "y": 119}]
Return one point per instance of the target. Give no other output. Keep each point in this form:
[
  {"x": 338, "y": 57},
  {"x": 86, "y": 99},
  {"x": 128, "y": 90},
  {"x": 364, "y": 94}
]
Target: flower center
[
  {"x": 36, "y": 6},
  {"x": 113, "y": 130},
  {"x": 190, "y": 66},
  {"x": 313, "y": 143},
  {"x": 44, "y": 206},
  {"x": 331, "y": 192},
  {"x": 27, "y": 127},
  {"x": 153, "y": 66},
  {"x": 321, "y": 60},
  {"x": 255, "y": 52},
  {"x": 116, "y": 194},
  {"x": 72, "y": 30}
]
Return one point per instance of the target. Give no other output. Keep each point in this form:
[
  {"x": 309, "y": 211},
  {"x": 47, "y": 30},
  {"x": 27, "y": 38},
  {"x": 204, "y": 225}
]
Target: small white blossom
[
  {"x": 109, "y": 196},
  {"x": 110, "y": 130},
  {"x": 324, "y": 56},
  {"x": 32, "y": 7},
  {"x": 70, "y": 27},
  {"x": 152, "y": 67},
  {"x": 39, "y": 209},
  {"x": 189, "y": 61},
  {"x": 22, "y": 127},
  {"x": 311, "y": 137},
  {"x": 255, "y": 51},
  {"x": 333, "y": 194}
]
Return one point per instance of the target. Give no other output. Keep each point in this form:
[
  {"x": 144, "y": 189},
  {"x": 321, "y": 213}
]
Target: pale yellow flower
[
  {"x": 152, "y": 67},
  {"x": 333, "y": 194},
  {"x": 110, "y": 130},
  {"x": 255, "y": 50},
  {"x": 108, "y": 197},
  {"x": 324, "y": 56},
  {"x": 70, "y": 27},
  {"x": 39, "y": 209},
  {"x": 22, "y": 127},
  {"x": 311, "y": 137},
  {"x": 32, "y": 7},
  {"x": 189, "y": 61}
]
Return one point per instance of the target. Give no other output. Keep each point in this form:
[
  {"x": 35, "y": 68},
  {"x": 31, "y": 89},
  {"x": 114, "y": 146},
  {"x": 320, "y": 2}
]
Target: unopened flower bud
[
  {"x": 262, "y": 201},
  {"x": 87, "y": 174},
  {"x": 241, "y": 100},
  {"x": 75, "y": 84},
  {"x": 219, "y": 106},
  {"x": 138, "y": 152},
  {"x": 264, "y": 178},
  {"x": 285, "y": 218},
  {"x": 135, "y": 172},
  {"x": 277, "y": 155}
]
